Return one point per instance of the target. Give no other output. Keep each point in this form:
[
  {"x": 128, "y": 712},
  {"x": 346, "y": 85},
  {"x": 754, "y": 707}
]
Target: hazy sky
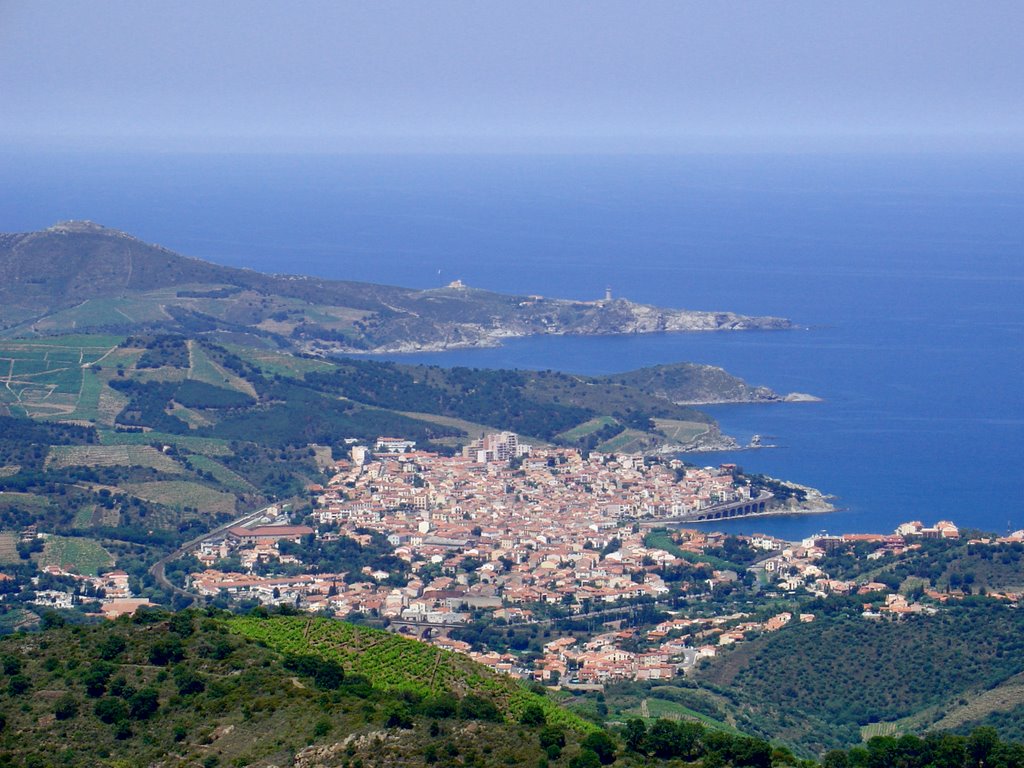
[{"x": 337, "y": 75}]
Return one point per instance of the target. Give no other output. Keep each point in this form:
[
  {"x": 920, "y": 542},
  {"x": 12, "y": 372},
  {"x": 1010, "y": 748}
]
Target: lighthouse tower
[{"x": 608, "y": 293}]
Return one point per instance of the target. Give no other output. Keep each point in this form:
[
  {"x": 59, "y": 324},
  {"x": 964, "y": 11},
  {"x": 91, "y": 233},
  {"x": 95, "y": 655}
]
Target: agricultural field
[
  {"x": 662, "y": 539},
  {"x": 275, "y": 363},
  {"x": 111, "y": 456},
  {"x": 879, "y": 729},
  {"x": 208, "y": 446},
  {"x": 472, "y": 429},
  {"x": 84, "y": 517},
  {"x": 681, "y": 431},
  {"x": 9, "y": 548},
  {"x": 84, "y": 556},
  {"x": 17, "y": 619},
  {"x": 103, "y": 312},
  {"x": 398, "y": 663},
  {"x": 44, "y": 377},
  {"x": 87, "y": 409},
  {"x": 202, "y": 368},
  {"x": 111, "y": 403},
  {"x": 628, "y": 441},
  {"x": 31, "y": 501},
  {"x": 587, "y": 428},
  {"x": 222, "y": 474},
  {"x": 653, "y": 709},
  {"x": 181, "y": 493},
  {"x": 192, "y": 417}
]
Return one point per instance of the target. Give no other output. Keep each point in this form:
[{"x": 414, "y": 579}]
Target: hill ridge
[{"x": 83, "y": 276}]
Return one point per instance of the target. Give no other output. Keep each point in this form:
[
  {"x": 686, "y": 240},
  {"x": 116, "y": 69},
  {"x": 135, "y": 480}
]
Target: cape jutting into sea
[{"x": 907, "y": 270}]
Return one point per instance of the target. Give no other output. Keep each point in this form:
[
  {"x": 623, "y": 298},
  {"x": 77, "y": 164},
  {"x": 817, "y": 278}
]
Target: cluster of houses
[
  {"x": 111, "y": 590},
  {"x": 503, "y": 528}
]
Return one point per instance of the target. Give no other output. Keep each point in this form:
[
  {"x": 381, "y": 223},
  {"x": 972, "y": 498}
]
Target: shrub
[
  {"x": 18, "y": 684},
  {"x": 478, "y": 708},
  {"x": 166, "y": 650},
  {"x": 602, "y": 745},
  {"x": 188, "y": 680},
  {"x": 95, "y": 678},
  {"x": 440, "y": 705},
  {"x": 533, "y": 714},
  {"x": 66, "y": 707},
  {"x": 111, "y": 647},
  {"x": 111, "y": 710}
]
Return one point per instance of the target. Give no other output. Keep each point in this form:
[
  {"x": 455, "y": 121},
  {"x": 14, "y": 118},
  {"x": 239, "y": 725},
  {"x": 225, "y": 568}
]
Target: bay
[{"x": 907, "y": 271}]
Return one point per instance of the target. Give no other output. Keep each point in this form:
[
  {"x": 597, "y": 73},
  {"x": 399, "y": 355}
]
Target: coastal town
[{"x": 508, "y": 535}]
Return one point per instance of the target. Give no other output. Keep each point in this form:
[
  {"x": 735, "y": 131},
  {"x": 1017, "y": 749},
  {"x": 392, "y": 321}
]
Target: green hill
[
  {"x": 196, "y": 689},
  {"x": 819, "y": 684},
  {"x": 396, "y": 663},
  {"x": 82, "y": 276}
]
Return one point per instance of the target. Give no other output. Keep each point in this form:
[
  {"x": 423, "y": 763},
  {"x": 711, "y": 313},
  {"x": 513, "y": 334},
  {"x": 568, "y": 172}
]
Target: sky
[{"x": 345, "y": 75}]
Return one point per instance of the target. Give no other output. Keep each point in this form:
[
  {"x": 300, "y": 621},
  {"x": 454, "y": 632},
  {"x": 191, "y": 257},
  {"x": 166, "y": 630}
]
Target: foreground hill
[
  {"x": 196, "y": 689},
  {"x": 203, "y": 688},
  {"x": 83, "y": 277}
]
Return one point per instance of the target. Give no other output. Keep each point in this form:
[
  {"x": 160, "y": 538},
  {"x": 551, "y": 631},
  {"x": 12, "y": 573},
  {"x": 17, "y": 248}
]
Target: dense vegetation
[
  {"x": 204, "y": 688},
  {"x": 193, "y": 686},
  {"x": 818, "y": 683}
]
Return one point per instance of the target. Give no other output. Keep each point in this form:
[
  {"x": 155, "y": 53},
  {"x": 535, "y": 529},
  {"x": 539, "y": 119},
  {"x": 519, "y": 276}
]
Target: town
[{"x": 514, "y": 536}]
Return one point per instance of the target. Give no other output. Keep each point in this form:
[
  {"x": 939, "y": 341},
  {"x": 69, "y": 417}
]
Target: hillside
[
  {"x": 829, "y": 683},
  {"x": 204, "y": 688},
  {"x": 125, "y": 447},
  {"x": 693, "y": 383},
  {"x": 196, "y": 688},
  {"x": 83, "y": 277}
]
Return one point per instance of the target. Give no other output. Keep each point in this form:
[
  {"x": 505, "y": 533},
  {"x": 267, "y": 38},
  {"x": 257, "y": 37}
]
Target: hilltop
[{"x": 82, "y": 277}]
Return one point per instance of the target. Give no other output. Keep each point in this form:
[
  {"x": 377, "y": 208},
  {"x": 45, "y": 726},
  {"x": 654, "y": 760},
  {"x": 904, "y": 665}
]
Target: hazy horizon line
[{"x": 478, "y": 144}]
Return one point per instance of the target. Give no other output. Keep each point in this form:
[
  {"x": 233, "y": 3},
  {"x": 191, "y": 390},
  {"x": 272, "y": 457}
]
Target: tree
[
  {"x": 980, "y": 745},
  {"x": 440, "y": 705},
  {"x": 18, "y": 684},
  {"x": 111, "y": 647},
  {"x": 143, "y": 704},
  {"x": 188, "y": 680},
  {"x": 478, "y": 708},
  {"x": 586, "y": 759},
  {"x": 111, "y": 710},
  {"x": 533, "y": 714},
  {"x": 635, "y": 735},
  {"x": 552, "y": 739},
  {"x": 95, "y": 678},
  {"x": 166, "y": 650},
  {"x": 602, "y": 745}
]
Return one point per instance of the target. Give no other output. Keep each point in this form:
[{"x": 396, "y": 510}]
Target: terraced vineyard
[
  {"x": 172, "y": 493},
  {"x": 397, "y": 663},
  {"x": 111, "y": 456},
  {"x": 45, "y": 376},
  {"x": 223, "y": 475},
  {"x": 84, "y": 556},
  {"x": 208, "y": 446}
]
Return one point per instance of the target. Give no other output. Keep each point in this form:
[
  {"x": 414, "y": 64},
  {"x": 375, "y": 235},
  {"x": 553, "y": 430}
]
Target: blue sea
[{"x": 907, "y": 272}]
